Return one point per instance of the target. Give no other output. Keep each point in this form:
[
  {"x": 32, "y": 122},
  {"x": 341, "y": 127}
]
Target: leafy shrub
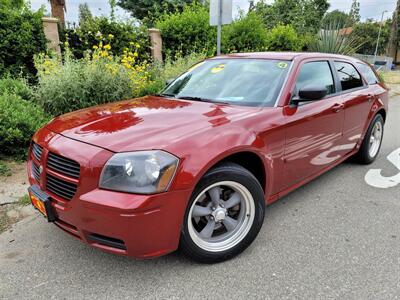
[
  {"x": 97, "y": 29},
  {"x": 18, "y": 87},
  {"x": 187, "y": 31},
  {"x": 19, "y": 119},
  {"x": 171, "y": 69},
  {"x": 283, "y": 38},
  {"x": 21, "y": 36},
  {"x": 99, "y": 77},
  {"x": 366, "y": 34},
  {"x": 246, "y": 34}
]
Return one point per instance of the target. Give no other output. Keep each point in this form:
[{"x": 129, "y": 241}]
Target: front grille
[
  {"x": 35, "y": 172},
  {"x": 63, "y": 165},
  {"x": 60, "y": 187},
  {"x": 37, "y": 151}
]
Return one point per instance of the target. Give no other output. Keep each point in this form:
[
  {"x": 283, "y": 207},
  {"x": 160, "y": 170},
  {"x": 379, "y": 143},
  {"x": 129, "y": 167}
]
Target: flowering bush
[
  {"x": 99, "y": 77},
  {"x": 97, "y": 29}
]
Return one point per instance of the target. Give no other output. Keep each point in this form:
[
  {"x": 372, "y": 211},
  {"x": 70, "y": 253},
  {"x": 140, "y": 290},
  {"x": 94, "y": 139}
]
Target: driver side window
[{"x": 316, "y": 72}]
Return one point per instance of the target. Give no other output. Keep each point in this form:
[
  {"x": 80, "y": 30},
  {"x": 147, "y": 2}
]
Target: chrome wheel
[
  {"x": 375, "y": 139},
  {"x": 221, "y": 216}
]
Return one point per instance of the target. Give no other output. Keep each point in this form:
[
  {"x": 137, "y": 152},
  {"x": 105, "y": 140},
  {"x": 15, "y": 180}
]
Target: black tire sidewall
[
  {"x": 230, "y": 172},
  {"x": 364, "y": 156}
]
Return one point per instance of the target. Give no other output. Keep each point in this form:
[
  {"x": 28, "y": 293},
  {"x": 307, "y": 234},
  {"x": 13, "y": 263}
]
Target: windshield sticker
[
  {"x": 218, "y": 68},
  {"x": 282, "y": 65}
]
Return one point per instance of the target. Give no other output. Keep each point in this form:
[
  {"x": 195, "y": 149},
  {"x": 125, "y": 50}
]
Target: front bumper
[{"x": 141, "y": 226}]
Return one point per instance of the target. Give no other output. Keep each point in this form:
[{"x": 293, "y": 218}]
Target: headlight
[{"x": 142, "y": 172}]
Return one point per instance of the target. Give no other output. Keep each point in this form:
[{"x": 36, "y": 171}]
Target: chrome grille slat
[
  {"x": 60, "y": 187},
  {"x": 37, "y": 151},
  {"x": 36, "y": 172},
  {"x": 59, "y": 192},
  {"x": 62, "y": 165},
  {"x": 63, "y": 171}
]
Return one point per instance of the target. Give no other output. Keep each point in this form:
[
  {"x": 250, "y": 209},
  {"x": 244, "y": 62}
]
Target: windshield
[{"x": 252, "y": 82}]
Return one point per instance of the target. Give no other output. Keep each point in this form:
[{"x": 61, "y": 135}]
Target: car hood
[{"x": 145, "y": 123}]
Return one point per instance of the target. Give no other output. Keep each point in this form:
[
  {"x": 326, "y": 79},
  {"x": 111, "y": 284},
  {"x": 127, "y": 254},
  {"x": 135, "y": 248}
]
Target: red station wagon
[{"x": 194, "y": 167}]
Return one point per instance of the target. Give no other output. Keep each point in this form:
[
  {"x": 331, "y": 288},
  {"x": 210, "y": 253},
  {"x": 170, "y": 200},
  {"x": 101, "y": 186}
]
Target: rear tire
[
  {"x": 224, "y": 215},
  {"x": 372, "y": 142}
]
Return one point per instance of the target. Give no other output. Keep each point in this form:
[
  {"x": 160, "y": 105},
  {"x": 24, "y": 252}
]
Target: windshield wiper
[
  {"x": 200, "y": 99},
  {"x": 164, "y": 95}
]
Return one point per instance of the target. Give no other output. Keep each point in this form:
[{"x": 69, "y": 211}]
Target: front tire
[
  {"x": 224, "y": 215},
  {"x": 372, "y": 141}
]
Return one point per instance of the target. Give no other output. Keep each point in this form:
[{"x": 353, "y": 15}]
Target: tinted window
[
  {"x": 348, "y": 76},
  {"x": 253, "y": 82},
  {"x": 317, "y": 72},
  {"x": 368, "y": 73}
]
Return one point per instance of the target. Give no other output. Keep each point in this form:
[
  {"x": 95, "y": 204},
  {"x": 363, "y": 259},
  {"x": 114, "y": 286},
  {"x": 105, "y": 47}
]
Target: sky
[{"x": 368, "y": 8}]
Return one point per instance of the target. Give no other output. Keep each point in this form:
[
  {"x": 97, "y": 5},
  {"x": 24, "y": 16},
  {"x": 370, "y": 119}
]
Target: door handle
[
  {"x": 337, "y": 107},
  {"x": 370, "y": 97}
]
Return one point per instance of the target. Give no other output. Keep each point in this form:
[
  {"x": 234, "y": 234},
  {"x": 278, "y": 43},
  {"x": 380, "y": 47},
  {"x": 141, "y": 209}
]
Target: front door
[{"x": 313, "y": 129}]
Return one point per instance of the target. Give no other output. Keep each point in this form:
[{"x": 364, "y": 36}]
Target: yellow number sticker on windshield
[
  {"x": 282, "y": 65},
  {"x": 218, "y": 68}
]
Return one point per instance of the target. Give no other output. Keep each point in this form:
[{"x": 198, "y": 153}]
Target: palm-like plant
[{"x": 333, "y": 40}]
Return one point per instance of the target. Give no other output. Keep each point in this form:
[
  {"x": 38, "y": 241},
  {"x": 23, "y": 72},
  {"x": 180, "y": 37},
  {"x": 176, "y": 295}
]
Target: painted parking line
[{"x": 376, "y": 179}]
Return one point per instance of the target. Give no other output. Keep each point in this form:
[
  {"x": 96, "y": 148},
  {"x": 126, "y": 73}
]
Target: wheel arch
[{"x": 248, "y": 159}]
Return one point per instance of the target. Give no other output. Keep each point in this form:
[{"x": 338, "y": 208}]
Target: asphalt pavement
[{"x": 335, "y": 238}]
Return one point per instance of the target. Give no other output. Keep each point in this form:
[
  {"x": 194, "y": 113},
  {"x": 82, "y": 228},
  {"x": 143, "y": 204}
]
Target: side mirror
[
  {"x": 169, "y": 81},
  {"x": 310, "y": 92}
]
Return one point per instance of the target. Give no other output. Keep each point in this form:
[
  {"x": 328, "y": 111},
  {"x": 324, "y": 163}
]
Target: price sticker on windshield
[
  {"x": 282, "y": 65},
  {"x": 218, "y": 68}
]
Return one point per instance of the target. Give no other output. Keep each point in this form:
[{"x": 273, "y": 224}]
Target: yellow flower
[
  {"x": 95, "y": 47},
  {"x": 137, "y": 45},
  {"x": 110, "y": 36},
  {"x": 107, "y": 47},
  {"x": 131, "y": 43},
  {"x": 135, "y": 54}
]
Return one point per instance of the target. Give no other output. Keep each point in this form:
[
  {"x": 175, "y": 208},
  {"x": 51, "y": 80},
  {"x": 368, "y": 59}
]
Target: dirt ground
[{"x": 13, "y": 187}]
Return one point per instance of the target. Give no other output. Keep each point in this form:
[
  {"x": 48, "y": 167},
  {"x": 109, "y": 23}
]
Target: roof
[{"x": 284, "y": 55}]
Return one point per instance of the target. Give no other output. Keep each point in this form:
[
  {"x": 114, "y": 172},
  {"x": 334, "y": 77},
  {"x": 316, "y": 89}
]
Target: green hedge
[
  {"x": 187, "y": 31},
  {"x": 284, "y": 38},
  {"x": 19, "y": 118},
  {"x": 246, "y": 34},
  {"x": 21, "y": 36}
]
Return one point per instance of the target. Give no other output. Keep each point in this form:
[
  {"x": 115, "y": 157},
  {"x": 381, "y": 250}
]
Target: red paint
[{"x": 295, "y": 144}]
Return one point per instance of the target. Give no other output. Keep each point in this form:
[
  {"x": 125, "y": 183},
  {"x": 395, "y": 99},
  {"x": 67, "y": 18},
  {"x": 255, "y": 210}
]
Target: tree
[
  {"x": 84, "y": 13},
  {"x": 394, "y": 32},
  {"x": 305, "y": 16},
  {"x": 15, "y": 4},
  {"x": 148, "y": 11},
  {"x": 354, "y": 14},
  {"x": 112, "y": 3},
  {"x": 57, "y": 10},
  {"x": 336, "y": 16},
  {"x": 366, "y": 34}
]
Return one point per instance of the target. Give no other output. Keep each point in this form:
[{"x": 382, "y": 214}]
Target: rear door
[
  {"x": 313, "y": 129},
  {"x": 357, "y": 98}
]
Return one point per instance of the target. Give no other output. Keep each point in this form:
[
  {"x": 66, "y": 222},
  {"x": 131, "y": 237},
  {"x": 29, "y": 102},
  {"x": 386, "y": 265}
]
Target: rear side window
[
  {"x": 368, "y": 74},
  {"x": 348, "y": 76},
  {"x": 316, "y": 72}
]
